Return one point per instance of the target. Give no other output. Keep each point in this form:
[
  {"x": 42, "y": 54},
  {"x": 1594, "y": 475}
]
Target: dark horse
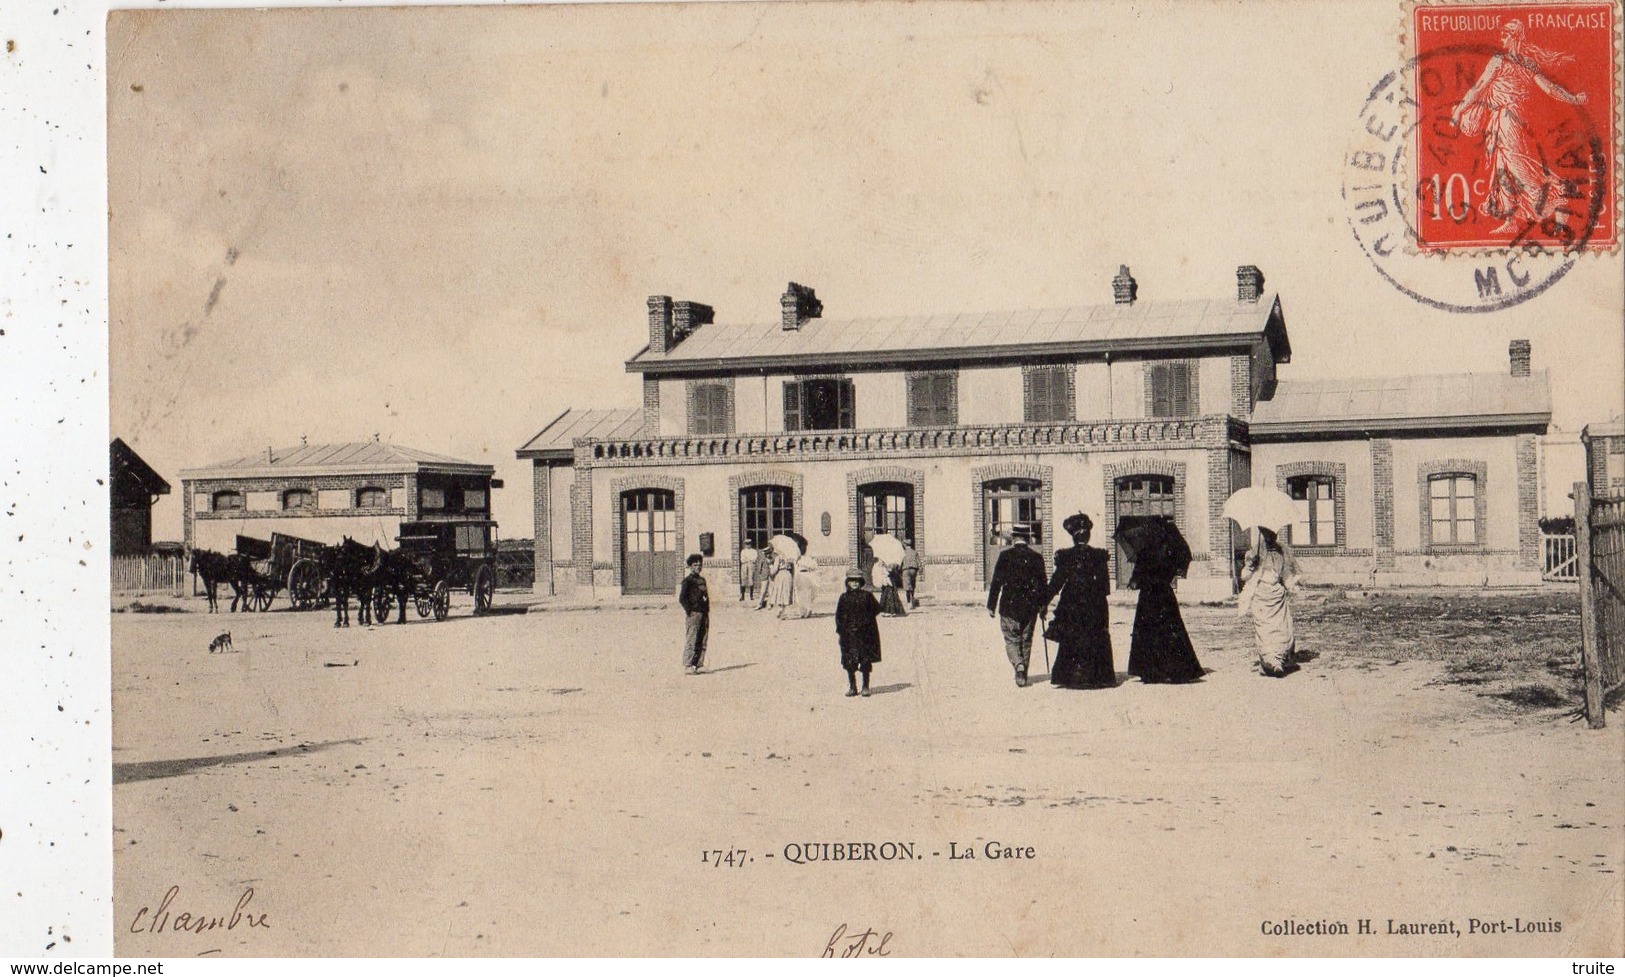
[
  {"x": 229, "y": 568},
  {"x": 395, "y": 575},
  {"x": 351, "y": 569}
]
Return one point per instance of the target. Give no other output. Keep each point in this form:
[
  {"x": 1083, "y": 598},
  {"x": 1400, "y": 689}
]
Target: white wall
[
  {"x": 1092, "y": 384},
  {"x": 1355, "y": 456},
  {"x": 990, "y": 395},
  {"x": 1213, "y": 384},
  {"x": 1500, "y": 519},
  {"x": 750, "y": 407},
  {"x": 673, "y": 408}
]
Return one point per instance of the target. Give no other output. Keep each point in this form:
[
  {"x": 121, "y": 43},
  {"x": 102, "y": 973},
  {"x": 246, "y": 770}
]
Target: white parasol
[
  {"x": 784, "y": 546},
  {"x": 887, "y": 548},
  {"x": 1256, "y": 505}
]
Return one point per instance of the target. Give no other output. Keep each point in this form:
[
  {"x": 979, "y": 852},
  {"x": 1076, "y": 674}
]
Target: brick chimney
[
  {"x": 1518, "y": 353},
  {"x": 659, "y": 323},
  {"x": 1124, "y": 287},
  {"x": 1249, "y": 283},
  {"x": 798, "y": 304},
  {"x": 687, "y": 317}
]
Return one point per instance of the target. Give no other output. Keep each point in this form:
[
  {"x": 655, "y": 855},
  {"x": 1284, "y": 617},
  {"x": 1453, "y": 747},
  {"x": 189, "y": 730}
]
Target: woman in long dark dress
[
  {"x": 856, "y": 625},
  {"x": 1160, "y": 651},
  {"x": 1083, "y": 659}
]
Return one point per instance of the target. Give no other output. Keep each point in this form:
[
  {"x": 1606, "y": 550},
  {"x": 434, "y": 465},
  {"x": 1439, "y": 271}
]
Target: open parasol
[
  {"x": 785, "y": 545},
  {"x": 1260, "y": 506},
  {"x": 887, "y": 548}
]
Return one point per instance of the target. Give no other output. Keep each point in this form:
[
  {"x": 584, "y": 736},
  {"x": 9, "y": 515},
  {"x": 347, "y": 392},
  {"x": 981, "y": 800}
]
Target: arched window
[
  {"x": 1315, "y": 498},
  {"x": 1453, "y": 509},
  {"x": 371, "y": 497},
  {"x": 228, "y": 501},
  {"x": 298, "y": 499}
]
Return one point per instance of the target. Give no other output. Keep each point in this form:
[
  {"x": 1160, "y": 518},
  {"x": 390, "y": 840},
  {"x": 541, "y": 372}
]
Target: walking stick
[{"x": 1045, "y": 638}]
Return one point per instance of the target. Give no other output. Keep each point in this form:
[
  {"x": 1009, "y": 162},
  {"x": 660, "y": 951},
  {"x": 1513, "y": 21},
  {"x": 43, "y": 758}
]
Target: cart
[{"x": 439, "y": 557}]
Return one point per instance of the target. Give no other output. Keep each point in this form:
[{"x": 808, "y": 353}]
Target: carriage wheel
[
  {"x": 442, "y": 600},
  {"x": 304, "y": 585},
  {"x": 262, "y": 597},
  {"x": 425, "y": 604},
  {"x": 485, "y": 588},
  {"x": 382, "y": 603}
]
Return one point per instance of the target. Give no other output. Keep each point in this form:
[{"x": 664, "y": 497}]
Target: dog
[{"x": 221, "y": 643}]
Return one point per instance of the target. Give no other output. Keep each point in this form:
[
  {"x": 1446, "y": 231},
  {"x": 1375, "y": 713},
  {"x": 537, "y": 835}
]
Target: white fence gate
[{"x": 1559, "y": 557}]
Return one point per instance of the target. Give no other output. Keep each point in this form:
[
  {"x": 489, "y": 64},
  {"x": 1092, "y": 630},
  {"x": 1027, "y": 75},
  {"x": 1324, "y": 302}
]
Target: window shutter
[
  {"x": 1038, "y": 394},
  {"x": 792, "y": 406},
  {"x": 919, "y": 395},
  {"x": 1159, "y": 391},
  {"x": 845, "y": 406},
  {"x": 1179, "y": 379},
  {"x": 1069, "y": 398}
]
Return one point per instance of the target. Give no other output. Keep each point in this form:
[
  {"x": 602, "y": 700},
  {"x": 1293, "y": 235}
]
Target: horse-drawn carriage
[
  {"x": 433, "y": 559},
  {"x": 283, "y": 561}
]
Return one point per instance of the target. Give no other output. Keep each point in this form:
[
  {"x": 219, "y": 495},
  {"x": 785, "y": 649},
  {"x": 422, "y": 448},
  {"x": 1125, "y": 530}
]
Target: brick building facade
[
  {"x": 952, "y": 429},
  {"x": 327, "y": 491}
]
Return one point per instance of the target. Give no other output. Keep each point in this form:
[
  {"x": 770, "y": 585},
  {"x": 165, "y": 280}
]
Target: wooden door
[
  {"x": 883, "y": 507},
  {"x": 1006, "y": 505},
  {"x": 649, "y": 557},
  {"x": 1138, "y": 497}
]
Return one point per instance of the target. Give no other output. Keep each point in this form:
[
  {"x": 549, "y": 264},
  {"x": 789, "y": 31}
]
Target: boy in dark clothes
[
  {"x": 696, "y": 604},
  {"x": 856, "y": 624}
]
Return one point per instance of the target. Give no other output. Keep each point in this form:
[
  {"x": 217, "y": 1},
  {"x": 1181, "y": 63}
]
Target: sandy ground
[{"x": 546, "y": 784}]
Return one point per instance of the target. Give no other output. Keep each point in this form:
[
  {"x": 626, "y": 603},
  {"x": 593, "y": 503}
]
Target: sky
[{"x": 440, "y": 227}]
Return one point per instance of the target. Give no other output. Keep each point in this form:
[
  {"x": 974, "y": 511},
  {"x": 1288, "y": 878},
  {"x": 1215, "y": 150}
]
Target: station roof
[
  {"x": 349, "y": 458},
  {"x": 1142, "y": 327},
  {"x": 1452, "y": 401},
  {"x": 555, "y": 440}
]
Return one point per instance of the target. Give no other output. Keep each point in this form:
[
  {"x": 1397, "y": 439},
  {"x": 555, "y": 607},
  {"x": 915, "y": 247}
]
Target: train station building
[
  {"x": 324, "y": 492},
  {"x": 952, "y": 429}
]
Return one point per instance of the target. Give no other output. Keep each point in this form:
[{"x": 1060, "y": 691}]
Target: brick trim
[
  {"x": 981, "y": 476},
  {"x": 1337, "y": 472},
  {"x": 855, "y": 480},
  {"x": 1241, "y": 385},
  {"x": 633, "y": 483},
  {"x": 1115, "y": 472},
  {"x": 541, "y": 513},
  {"x": 1529, "y": 555},
  {"x": 1426, "y": 471},
  {"x": 691, "y": 387},
  {"x": 651, "y": 405},
  {"x": 1382, "y": 502},
  {"x": 581, "y": 540}
]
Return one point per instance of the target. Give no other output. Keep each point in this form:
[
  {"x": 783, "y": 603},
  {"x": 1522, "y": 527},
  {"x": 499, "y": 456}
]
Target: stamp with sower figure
[
  {"x": 1494, "y": 146},
  {"x": 1517, "y": 112}
]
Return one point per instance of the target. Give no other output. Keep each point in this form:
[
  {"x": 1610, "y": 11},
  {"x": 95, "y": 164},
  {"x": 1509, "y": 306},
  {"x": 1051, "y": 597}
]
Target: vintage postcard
[{"x": 867, "y": 479}]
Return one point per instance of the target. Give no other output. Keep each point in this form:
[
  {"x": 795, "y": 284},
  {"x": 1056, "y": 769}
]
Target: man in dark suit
[{"x": 1015, "y": 596}]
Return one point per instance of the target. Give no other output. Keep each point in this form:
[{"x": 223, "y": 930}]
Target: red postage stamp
[{"x": 1515, "y": 141}]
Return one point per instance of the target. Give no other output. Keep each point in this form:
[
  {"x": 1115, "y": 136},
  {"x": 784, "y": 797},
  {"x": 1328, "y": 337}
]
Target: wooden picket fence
[
  {"x": 1599, "y": 534},
  {"x": 155, "y": 573}
]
